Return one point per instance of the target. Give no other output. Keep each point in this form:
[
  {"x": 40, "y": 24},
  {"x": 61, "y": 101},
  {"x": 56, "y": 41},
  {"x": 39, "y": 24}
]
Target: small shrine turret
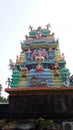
[
  {"x": 41, "y": 85},
  {"x": 40, "y": 58}
]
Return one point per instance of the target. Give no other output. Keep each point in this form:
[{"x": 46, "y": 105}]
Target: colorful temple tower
[{"x": 41, "y": 85}]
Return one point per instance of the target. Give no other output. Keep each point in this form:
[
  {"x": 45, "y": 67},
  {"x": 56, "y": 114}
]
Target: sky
[{"x": 15, "y": 18}]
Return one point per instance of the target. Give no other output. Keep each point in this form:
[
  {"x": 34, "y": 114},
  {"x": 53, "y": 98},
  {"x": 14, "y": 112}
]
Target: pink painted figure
[
  {"x": 28, "y": 51},
  {"x": 35, "y": 53},
  {"x": 43, "y": 53},
  {"x": 50, "y": 50},
  {"x": 39, "y": 53}
]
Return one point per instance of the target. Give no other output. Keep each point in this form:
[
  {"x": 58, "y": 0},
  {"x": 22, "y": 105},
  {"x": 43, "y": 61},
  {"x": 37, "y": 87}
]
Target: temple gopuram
[{"x": 41, "y": 85}]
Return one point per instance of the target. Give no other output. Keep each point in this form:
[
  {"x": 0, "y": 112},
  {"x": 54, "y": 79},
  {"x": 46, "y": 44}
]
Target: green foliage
[
  {"x": 41, "y": 121},
  {"x": 47, "y": 122},
  {"x": 0, "y": 88},
  {"x": 3, "y": 100},
  {"x": 2, "y": 122},
  {"x": 13, "y": 124}
]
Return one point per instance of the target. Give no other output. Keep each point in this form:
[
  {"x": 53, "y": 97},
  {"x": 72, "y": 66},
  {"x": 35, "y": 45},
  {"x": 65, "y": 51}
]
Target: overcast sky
[{"x": 15, "y": 18}]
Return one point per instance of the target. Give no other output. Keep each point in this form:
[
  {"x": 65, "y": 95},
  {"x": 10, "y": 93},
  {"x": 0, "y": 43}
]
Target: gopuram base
[{"x": 49, "y": 103}]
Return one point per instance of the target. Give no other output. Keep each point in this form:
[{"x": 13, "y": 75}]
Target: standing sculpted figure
[{"x": 11, "y": 65}]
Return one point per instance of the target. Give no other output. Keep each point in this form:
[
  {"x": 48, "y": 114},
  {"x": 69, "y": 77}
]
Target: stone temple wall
[{"x": 46, "y": 106}]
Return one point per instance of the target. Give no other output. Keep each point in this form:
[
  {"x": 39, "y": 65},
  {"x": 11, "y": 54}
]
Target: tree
[
  {"x": 0, "y": 88},
  {"x": 2, "y": 99}
]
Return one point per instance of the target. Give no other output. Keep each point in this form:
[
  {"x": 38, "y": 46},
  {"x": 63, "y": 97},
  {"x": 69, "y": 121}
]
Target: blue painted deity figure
[
  {"x": 51, "y": 54},
  {"x": 28, "y": 55}
]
